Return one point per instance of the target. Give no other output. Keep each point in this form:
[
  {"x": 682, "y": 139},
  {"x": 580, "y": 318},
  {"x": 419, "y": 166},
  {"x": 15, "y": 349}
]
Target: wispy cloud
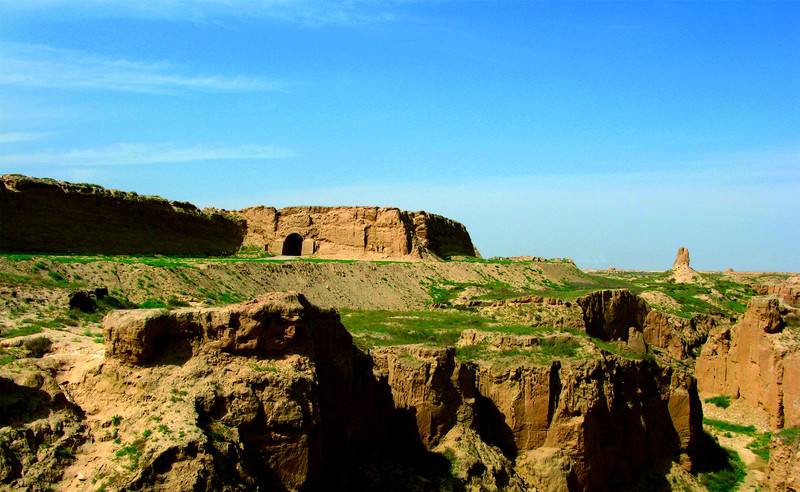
[
  {"x": 141, "y": 153},
  {"x": 308, "y": 12},
  {"x": 53, "y": 68},
  {"x": 17, "y": 137}
]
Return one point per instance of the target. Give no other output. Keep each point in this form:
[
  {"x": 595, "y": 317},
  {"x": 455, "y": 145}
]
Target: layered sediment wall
[
  {"x": 297, "y": 402},
  {"x": 49, "y": 216}
]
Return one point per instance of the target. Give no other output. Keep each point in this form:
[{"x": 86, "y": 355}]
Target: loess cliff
[
  {"x": 272, "y": 394},
  {"x": 757, "y": 361},
  {"x": 45, "y": 215}
]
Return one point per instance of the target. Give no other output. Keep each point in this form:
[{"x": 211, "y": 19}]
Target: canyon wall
[
  {"x": 355, "y": 232},
  {"x": 757, "y": 360},
  {"x": 272, "y": 392},
  {"x": 617, "y": 314},
  {"x": 48, "y": 216}
]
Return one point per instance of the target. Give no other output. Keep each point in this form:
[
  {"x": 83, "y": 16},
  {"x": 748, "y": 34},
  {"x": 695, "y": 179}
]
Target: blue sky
[{"x": 612, "y": 133}]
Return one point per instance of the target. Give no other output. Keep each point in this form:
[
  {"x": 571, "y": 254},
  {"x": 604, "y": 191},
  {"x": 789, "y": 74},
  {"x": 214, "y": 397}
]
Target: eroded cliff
[
  {"x": 757, "y": 360},
  {"x": 45, "y": 215},
  {"x": 272, "y": 394}
]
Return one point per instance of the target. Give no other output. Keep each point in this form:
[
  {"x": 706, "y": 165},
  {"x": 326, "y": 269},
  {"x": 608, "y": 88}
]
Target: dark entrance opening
[{"x": 293, "y": 244}]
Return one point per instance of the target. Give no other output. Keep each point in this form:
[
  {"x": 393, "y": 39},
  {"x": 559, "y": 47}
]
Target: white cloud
[
  {"x": 137, "y": 153},
  {"x": 53, "y": 68},
  {"x": 16, "y": 137},
  {"x": 307, "y": 12}
]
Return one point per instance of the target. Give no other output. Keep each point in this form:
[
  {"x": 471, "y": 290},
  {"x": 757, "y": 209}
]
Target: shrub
[{"x": 38, "y": 346}]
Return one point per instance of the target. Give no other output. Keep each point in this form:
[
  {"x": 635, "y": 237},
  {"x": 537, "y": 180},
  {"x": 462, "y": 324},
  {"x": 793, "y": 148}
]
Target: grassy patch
[
  {"x": 153, "y": 304},
  {"x": 761, "y": 440},
  {"x": 438, "y": 327},
  {"x": 721, "y": 401},
  {"x": 790, "y": 435},
  {"x": 6, "y": 357},
  {"x": 37, "y": 281},
  {"x": 730, "y": 427},
  {"x": 385, "y": 328},
  {"x": 133, "y": 452},
  {"x": 443, "y": 291},
  {"x": 760, "y": 445},
  {"x": 24, "y": 330},
  {"x": 728, "y": 478},
  {"x": 548, "y": 349}
]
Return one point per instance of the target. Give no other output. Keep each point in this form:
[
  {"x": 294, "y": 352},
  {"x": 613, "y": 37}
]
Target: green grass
[
  {"x": 253, "y": 251},
  {"x": 721, "y": 401},
  {"x": 153, "y": 304},
  {"x": 728, "y": 478},
  {"x": 619, "y": 350},
  {"x": 6, "y": 357},
  {"x": 761, "y": 440},
  {"x": 384, "y": 328},
  {"x": 760, "y": 445},
  {"x": 444, "y": 291},
  {"x": 372, "y": 328},
  {"x": 133, "y": 452},
  {"x": 582, "y": 284},
  {"x": 38, "y": 281},
  {"x": 790, "y": 435},
  {"x": 25, "y": 330},
  {"x": 724, "y": 426},
  {"x": 547, "y": 350},
  {"x": 442, "y": 328}
]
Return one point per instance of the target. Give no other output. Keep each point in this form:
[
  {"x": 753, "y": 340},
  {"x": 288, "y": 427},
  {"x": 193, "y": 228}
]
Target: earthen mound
[{"x": 682, "y": 272}]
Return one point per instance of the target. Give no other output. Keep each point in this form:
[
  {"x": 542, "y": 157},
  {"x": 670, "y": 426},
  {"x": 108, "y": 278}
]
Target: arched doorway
[{"x": 293, "y": 245}]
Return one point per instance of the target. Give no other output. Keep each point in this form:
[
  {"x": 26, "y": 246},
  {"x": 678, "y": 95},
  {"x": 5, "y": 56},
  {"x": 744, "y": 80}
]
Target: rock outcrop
[
  {"x": 679, "y": 337},
  {"x": 784, "y": 462},
  {"x": 40, "y": 430},
  {"x": 608, "y": 314},
  {"x": 788, "y": 291},
  {"x": 757, "y": 360},
  {"x": 45, "y": 215},
  {"x": 281, "y": 390},
  {"x": 619, "y": 315},
  {"x": 571, "y": 424},
  {"x": 355, "y": 232}
]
